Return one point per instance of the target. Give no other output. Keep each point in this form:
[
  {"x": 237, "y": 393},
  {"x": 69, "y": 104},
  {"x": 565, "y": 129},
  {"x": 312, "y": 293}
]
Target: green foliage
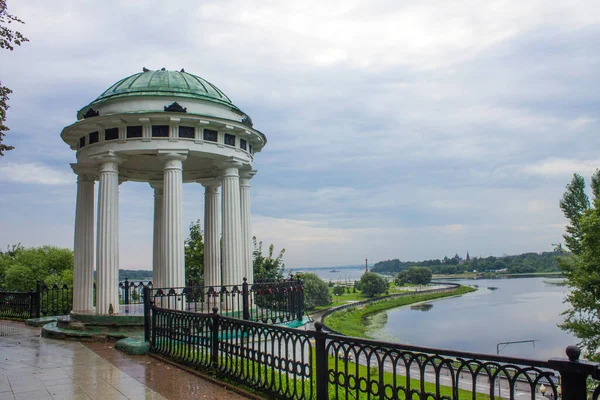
[
  {"x": 134, "y": 275},
  {"x": 21, "y": 267},
  {"x": 338, "y": 290},
  {"x": 194, "y": 254},
  {"x": 573, "y": 204},
  {"x": 8, "y": 39},
  {"x": 267, "y": 267},
  {"x": 316, "y": 291},
  {"x": 372, "y": 284},
  {"x": 415, "y": 275},
  {"x": 526, "y": 262},
  {"x": 582, "y": 269}
]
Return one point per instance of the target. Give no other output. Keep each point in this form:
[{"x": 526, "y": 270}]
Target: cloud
[
  {"x": 562, "y": 167},
  {"x": 395, "y": 130},
  {"x": 35, "y": 174}
]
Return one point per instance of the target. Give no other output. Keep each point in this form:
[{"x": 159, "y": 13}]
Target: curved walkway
[{"x": 32, "y": 367}]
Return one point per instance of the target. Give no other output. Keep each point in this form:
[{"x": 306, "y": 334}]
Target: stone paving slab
[{"x": 33, "y": 367}]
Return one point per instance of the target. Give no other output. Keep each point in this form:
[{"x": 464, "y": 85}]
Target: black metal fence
[
  {"x": 130, "y": 293},
  {"x": 274, "y": 301},
  {"x": 46, "y": 300},
  {"x": 301, "y": 364},
  {"x": 53, "y": 300},
  {"x": 17, "y": 305}
]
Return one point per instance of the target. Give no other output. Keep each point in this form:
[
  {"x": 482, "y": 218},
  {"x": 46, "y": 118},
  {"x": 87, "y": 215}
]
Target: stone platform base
[
  {"x": 37, "y": 322},
  {"x": 91, "y": 327},
  {"x": 133, "y": 346}
]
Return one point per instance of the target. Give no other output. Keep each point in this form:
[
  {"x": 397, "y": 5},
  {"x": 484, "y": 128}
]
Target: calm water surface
[{"x": 519, "y": 309}]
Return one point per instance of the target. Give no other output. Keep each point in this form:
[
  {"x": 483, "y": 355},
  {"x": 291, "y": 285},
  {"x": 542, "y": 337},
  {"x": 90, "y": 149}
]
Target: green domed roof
[{"x": 165, "y": 83}]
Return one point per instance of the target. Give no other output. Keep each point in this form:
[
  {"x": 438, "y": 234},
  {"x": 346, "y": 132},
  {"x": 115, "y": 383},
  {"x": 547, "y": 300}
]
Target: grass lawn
[{"x": 357, "y": 296}]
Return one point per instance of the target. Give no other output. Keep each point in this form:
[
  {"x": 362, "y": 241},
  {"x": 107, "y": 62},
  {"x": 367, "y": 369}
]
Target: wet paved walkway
[{"x": 32, "y": 368}]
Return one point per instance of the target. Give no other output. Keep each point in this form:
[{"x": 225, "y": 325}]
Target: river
[{"x": 501, "y": 310}]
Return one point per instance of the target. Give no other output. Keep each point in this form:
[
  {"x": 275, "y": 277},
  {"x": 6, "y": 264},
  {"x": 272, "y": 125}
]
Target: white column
[
  {"x": 233, "y": 272},
  {"x": 107, "y": 247},
  {"x": 83, "y": 249},
  {"x": 173, "y": 239},
  {"x": 158, "y": 271},
  {"x": 212, "y": 247},
  {"x": 245, "y": 177}
]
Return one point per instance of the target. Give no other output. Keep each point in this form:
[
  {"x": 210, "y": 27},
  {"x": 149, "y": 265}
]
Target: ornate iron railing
[
  {"x": 17, "y": 305},
  {"x": 130, "y": 293},
  {"x": 46, "y": 300},
  {"x": 266, "y": 301},
  {"x": 53, "y": 300},
  {"x": 268, "y": 358},
  {"x": 296, "y": 364}
]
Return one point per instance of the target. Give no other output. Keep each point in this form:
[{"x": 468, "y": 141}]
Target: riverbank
[
  {"x": 495, "y": 275},
  {"x": 349, "y": 321}
]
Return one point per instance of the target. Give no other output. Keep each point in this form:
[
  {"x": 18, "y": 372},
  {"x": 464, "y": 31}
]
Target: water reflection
[
  {"x": 422, "y": 307},
  {"x": 520, "y": 309}
]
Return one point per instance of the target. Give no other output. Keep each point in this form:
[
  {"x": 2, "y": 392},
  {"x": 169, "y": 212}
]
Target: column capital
[
  {"x": 180, "y": 155},
  {"x": 210, "y": 182},
  {"x": 173, "y": 159},
  {"x": 231, "y": 163},
  {"x": 231, "y": 167},
  {"x": 83, "y": 168},
  {"x": 108, "y": 161},
  {"x": 246, "y": 175},
  {"x": 85, "y": 173},
  {"x": 157, "y": 185}
]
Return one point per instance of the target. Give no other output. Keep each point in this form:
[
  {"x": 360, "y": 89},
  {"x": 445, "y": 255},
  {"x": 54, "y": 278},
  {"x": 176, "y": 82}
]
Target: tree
[
  {"x": 194, "y": 254},
  {"x": 8, "y": 39},
  {"x": 21, "y": 267},
  {"x": 316, "y": 291},
  {"x": 415, "y": 275},
  {"x": 338, "y": 290},
  {"x": 267, "y": 267},
  {"x": 372, "y": 284},
  {"x": 573, "y": 204},
  {"x": 582, "y": 265}
]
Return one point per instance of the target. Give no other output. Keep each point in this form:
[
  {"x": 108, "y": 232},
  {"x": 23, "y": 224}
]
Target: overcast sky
[{"x": 394, "y": 131}]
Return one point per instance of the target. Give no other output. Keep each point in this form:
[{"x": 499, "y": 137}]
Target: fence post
[
  {"x": 146, "y": 313},
  {"x": 300, "y": 299},
  {"x": 38, "y": 299},
  {"x": 574, "y": 373},
  {"x": 126, "y": 295},
  {"x": 32, "y": 296},
  {"x": 153, "y": 330},
  {"x": 214, "y": 340},
  {"x": 245, "y": 300},
  {"x": 321, "y": 362}
]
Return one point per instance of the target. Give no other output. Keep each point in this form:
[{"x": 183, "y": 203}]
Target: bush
[
  {"x": 415, "y": 275},
  {"x": 338, "y": 290},
  {"x": 316, "y": 291},
  {"x": 372, "y": 284}
]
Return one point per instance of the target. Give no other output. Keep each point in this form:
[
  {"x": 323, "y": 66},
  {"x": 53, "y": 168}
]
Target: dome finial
[
  {"x": 145, "y": 69},
  {"x": 163, "y": 69},
  {"x": 182, "y": 70}
]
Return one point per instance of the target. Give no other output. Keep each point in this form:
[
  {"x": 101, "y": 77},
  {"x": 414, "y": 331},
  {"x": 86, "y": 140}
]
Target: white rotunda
[{"x": 165, "y": 128}]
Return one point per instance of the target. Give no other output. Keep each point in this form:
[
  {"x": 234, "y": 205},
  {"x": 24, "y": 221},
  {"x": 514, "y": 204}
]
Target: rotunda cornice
[{"x": 72, "y": 133}]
